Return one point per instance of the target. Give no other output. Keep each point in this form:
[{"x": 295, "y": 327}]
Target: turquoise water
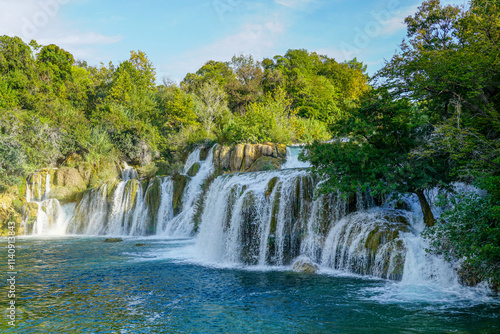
[{"x": 83, "y": 285}]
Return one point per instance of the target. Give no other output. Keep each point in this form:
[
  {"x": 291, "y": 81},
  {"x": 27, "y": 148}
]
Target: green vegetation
[
  {"x": 57, "y": 111},
  {"x": 432, "y": 119}
]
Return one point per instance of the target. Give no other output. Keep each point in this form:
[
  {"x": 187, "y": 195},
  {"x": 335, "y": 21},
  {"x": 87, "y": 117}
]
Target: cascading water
[
  {"x": 261, "y": 218},
  {"x": 115, "y": 208},
  {"x": 127, "y": 208},
  {"x": 292, "y": 158},
  {"x": 270, "y": 218},
  {"x": 182, "y": 225}
]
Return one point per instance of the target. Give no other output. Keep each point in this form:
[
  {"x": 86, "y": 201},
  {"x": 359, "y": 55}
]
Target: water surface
[{"x": 83, "y": 285}]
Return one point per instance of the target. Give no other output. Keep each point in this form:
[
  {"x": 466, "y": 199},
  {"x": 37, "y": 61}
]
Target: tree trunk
[{"x": 426, "y": 208}]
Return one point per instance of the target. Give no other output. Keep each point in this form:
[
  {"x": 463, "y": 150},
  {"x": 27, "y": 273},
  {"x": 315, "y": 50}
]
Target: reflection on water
[{"x": 83, "y": 285}]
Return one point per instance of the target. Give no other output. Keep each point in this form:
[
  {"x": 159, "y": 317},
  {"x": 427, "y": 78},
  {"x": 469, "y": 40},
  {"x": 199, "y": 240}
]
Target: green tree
[
  {"x": 212, "y": 109},
  {"x": 379, "y": 152}
]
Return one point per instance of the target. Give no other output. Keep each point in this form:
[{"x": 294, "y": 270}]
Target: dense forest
[{"x": 428, "y": 119}]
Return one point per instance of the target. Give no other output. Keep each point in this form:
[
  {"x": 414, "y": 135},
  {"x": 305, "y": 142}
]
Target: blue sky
[{"x": 180, "y": 36}]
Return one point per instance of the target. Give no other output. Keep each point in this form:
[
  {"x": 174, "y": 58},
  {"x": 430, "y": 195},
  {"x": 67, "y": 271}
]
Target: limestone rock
[
  {"x": 249, "y": 156},
  {"x": 237, "y": 155},
  {"x": 225, "y": 157},
  {"x": 303, "y": 264},
  {"x": 69, "y": 177},
  {"x": 264, "y": 163}
]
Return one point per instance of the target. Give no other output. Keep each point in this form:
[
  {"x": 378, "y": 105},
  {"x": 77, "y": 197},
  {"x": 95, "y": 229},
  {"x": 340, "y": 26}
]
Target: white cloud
[
  {"x": 41, "y": 20},
  {"x": 293, "y": 3},
  {"x": 259, "y": 40}
]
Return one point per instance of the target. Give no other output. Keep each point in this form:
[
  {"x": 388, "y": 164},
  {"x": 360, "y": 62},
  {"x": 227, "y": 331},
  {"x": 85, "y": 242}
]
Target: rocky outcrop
[
  {"x": 264, "y": 163},
  {"x": 249, "y": 157},
  {"x": 68, "y": 183},
  {"x": 180, "y": 182},
  {"x": 194, "y": 169},
  {"x": 9, "y": 212}
]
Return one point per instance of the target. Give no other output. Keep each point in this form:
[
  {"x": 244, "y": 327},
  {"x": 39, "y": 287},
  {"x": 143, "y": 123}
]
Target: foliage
[
  {"x": 12, "y": 162},
  {"x": 377, "y": 152},
  {"x": 470, "y": 231},
  {"x": 271, "y": 120},
  {"x": 318, "y": 86}
]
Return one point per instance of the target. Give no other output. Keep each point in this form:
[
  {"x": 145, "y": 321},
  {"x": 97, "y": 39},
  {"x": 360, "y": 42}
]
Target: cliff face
[{"x": 249, "y": 157}]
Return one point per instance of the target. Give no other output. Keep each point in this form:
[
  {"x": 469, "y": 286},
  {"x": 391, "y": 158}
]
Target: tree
[
  {"x": 211, "y": 108},
  {"x": 247, "y": 88},
  {"x": 379, "y": 152},
  {"x": 212, "y": 71},
  {"x": 319, "y": 87}
]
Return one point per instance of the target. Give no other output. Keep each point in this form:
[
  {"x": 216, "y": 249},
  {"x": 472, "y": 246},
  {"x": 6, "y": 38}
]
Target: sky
[{"x": 180, "y": 36}]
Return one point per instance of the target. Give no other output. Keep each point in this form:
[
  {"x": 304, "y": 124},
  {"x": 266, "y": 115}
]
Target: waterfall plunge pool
[{"x": 153, "y": 285}]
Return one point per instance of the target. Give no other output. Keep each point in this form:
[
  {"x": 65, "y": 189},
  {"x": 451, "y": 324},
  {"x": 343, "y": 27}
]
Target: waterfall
[
  {"x": 255, "y": 218},
  {"x": 182, "y": 225},
  {"x": 47, "y": 186},
  {"x": 115, "y": 208},
  {"x": 166, "y": 210},
  {"x": 271, "y": 218},
  {"x": 41, "y": 214},
  {"x": 129, "y": 207},
  {"x": 267, "y": 218},
  {"x": 292, "y": 158},
  {"x": 192, "y": 158}
]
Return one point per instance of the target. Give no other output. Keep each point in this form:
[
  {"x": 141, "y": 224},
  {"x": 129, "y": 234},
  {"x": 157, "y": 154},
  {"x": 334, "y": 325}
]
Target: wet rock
[
  {"x": 304, "y": 264},
  {"x": 194, "y": 169},
  {"x": 153, "y": 199},
  {"x": 113, "y": 240},
  {"x": 237, "y": 155},
  {"x": 180, "y": 182}
]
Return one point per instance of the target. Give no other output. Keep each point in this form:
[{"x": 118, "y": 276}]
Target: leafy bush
[
  {"x": 271, "y": 120},
  {"x": 470, "y": 231}
]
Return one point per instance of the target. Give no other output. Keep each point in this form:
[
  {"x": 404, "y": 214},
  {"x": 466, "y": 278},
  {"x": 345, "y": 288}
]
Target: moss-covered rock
[
  {"x": 153, "y": 200},
  {"x": 112, "y": 240},
  {"x": 281, "y": 149},
  {"x": 194, "y": 169},
  {"x": 305, "y": 265},
  {"x": 204, "y": 152},
  {"x": 270, "y": 186},
  {"x": 132, "y": 188},
  {"x": 264, "y": 163},
  {"x": 180, "y": 182},
  {"x": 66, "y": 194}
]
